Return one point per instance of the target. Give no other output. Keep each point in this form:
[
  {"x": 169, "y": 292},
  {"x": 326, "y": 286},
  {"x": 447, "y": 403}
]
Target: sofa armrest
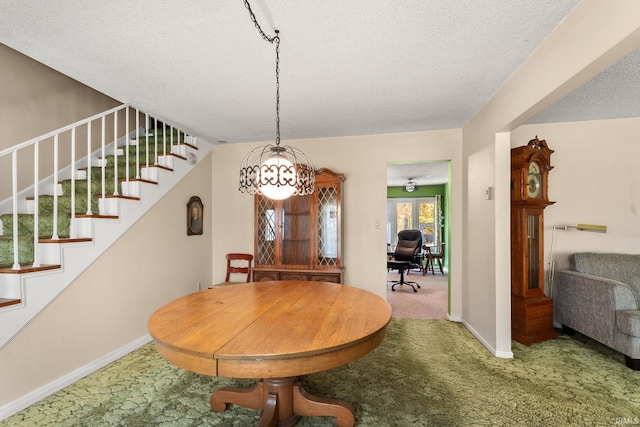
[
  {"x": 589, "y": 303},
  {"x": 628, "y": 322}
]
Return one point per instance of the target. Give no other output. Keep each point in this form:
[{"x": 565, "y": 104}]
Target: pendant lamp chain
[
  {"x": 276, "y": 171},
  {"x": 270, "y": 39}
]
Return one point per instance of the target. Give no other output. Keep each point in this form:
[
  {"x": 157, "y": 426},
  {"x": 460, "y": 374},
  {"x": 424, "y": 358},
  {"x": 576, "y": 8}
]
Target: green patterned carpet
[{"x": 425, "y": 373}]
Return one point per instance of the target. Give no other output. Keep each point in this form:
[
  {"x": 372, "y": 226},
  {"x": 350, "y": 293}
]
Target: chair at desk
[
  {"x": 406, "y": 256},
  {"x": 237, "y": 264},
  {"x": 431, "y": 256}
]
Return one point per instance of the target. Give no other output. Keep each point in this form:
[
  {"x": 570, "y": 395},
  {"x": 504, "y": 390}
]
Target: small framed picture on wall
[{"x": 195, "y": 212}]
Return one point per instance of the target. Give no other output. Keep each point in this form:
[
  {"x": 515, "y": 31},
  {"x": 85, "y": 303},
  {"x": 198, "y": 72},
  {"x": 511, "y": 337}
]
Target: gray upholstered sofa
[{"x": 599, "y": 296}]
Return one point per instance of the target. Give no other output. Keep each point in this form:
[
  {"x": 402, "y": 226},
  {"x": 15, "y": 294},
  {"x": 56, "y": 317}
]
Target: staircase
[{"x": 54, "y": 228}]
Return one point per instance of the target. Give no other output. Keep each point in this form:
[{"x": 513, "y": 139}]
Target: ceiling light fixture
[
  {"x": 276, "y": 171},
  {"x": 410, "y": 186}
]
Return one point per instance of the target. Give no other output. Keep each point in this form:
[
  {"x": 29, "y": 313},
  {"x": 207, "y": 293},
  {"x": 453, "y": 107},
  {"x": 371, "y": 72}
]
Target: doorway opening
[{"x": 418, "y": 197}]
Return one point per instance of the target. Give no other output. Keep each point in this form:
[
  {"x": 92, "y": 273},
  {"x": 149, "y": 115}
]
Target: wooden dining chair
[
  {"x": 237, "y": 264},
  {"x": 431, "y": 256},
  {"x": 244, "y": 269}
]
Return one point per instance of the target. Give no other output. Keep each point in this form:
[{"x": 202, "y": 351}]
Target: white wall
[
  {"x": 109, "y": 305},
  {"x": 595, "y": 180},
  {"x": 35, "y": 100},
  {"x": 363, "y": 160},
  {"x": 592, "y": 37}
]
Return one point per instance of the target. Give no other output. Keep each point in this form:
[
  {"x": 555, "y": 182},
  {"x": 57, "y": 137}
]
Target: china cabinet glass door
[
  {"x": 327, "y": 226},
  {"x": 296, "y": 231},
  {"x": 266, "y": 231}
]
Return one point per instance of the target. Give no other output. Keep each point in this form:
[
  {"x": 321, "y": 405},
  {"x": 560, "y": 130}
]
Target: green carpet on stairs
[
  {"x": 425, "y": 373},
  {"x": 45, "y": 202}
]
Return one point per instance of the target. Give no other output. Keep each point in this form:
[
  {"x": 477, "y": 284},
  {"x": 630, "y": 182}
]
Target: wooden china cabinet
[
  {"x": 300, "y": 238},
  {"x": 531, "y": 309}
]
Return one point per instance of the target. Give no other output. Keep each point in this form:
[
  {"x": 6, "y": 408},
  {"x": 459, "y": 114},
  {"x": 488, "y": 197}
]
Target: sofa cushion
[
  {"x": 634, "y": 283},
  {"x": 628, "y": 321},
  {"x": 624, "y": 268}
]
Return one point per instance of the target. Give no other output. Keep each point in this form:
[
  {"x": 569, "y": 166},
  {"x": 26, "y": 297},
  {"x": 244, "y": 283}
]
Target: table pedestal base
[{"x": 283, "y": 401}]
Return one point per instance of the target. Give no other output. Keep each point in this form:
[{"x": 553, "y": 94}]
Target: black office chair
[{"x": 406, "y": 256}]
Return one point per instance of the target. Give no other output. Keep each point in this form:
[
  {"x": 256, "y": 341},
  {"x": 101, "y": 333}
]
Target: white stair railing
[
  {"x": 24, "y": 295},
  {"x": 23, "y": 187}
]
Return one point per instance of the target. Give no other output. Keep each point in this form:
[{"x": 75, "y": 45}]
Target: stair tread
[
  {"x": 162, "y": 167},
  {"x": 28, "y": 269},
  {"x": 178, "y": 144},
  {"x": 97, "y": 216},
  {"x": 28, "y": 238},
  {"x": 6, "y": 302},
  {"x": 66, "y": 196},
  {"x": 146, "y": 181},
  {"x": 122, "y": 180},
  {"x": 120, "y": 196},
  {"x": 66, "y": 240}
]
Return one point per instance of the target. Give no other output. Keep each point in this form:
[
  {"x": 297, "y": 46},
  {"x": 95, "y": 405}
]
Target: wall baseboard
[
  {"x": 29, "y": 399},
  {"x": 496, "y": 353}
]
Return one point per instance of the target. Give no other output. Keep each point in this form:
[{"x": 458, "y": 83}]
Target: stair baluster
[
  {"x": 103, "y": 163},
  {"x": 72, "y": 227},
  {"x": 137, "y": 144},
  {"x": 89, "y": 202},
  {"x": 14, "y": 173},
  {"x": 41, "y": 227},
  {"x": 115, "y": 155},
  {"x": 36, "y": 201},
  {"x": 54, "y": 235}
]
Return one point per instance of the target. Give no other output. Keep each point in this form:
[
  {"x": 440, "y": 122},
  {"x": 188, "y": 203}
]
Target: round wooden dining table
[{"x": 275, "y": 331}]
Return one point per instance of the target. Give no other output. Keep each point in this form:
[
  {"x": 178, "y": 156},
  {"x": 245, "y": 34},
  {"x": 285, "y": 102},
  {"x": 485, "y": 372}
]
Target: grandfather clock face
[{"x": 534, "y": 181}]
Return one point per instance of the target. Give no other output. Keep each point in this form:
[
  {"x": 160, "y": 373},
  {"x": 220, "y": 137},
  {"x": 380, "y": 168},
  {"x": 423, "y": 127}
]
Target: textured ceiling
[
  {"x": 347, "y": 67},
  {"x": 352, "y": 67},
  {"x": 427, "y": 173},
  {"x": 612, "y": 94}
]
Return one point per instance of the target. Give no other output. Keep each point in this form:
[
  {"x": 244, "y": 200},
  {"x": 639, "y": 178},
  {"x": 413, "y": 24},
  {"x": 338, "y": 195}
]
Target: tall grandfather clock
[{"x": 531, "y": 309}]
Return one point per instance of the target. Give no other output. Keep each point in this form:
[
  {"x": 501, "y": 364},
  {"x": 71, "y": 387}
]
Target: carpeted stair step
[
  {"x": 142, "y": 155},
  {"x": 178, "y": 139},
  {"x": 96, "y": 171},
  {"x": 96, "y": 186},
  {"x": 64, "y": 204},
  {"x": 25, "y": 251},
  {"x": 45, "y": 225},
  {"x": 96, "y": 181},
  {"x": 152, "y": 150},
  {"x": 159, "y": 133}
]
